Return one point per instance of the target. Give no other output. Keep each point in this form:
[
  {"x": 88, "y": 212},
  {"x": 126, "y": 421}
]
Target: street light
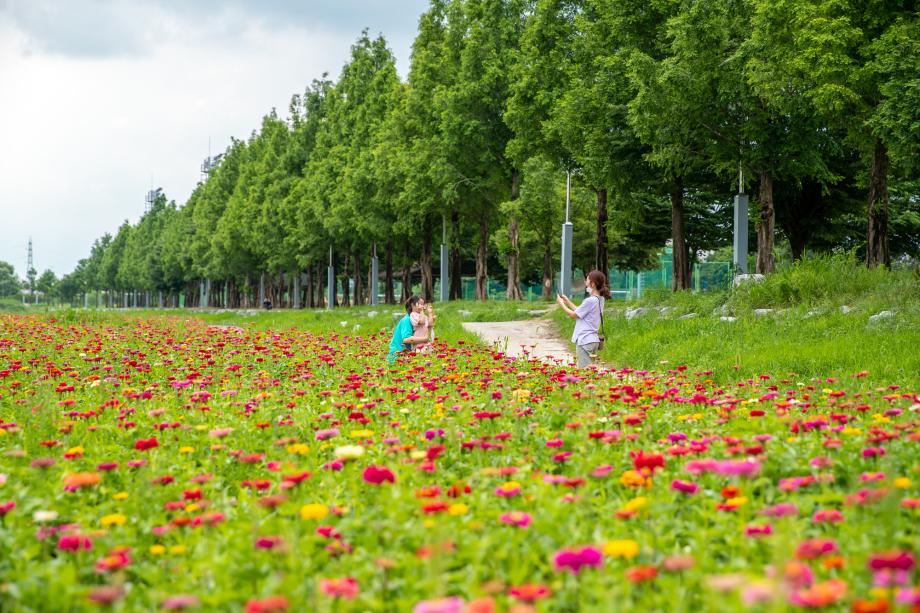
[
  {"x": 740, "y": 243},
  {"x": 565, "y": 274}
]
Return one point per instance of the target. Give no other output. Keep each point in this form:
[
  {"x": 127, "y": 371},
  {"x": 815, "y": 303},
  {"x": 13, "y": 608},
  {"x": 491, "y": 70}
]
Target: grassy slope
[{"x": 806, "y": 334}]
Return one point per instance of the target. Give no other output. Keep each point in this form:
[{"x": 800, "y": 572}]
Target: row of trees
[
  {"x": 655, "y": 107},
  {"x": 46, "y": 284}
]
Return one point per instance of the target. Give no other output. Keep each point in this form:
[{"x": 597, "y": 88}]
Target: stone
[
  {"x": 536, "y": 311},
  {"x": 763, "y": 312},
  {"x": 372, "y": 313},
  {"x": 636, "y": 312},
  {"x": 727, "y": 318},
  {"x": 687, "y": 316},
  {"x": 882, "y": 315},
  {"x": 752, "y": 278},
  {"x": 464, "y": 313},
  {"x": 846, "y": 309}
]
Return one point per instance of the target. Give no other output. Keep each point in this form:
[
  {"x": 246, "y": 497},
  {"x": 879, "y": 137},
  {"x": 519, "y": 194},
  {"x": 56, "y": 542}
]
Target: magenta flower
[
  {"x": 74, "y": 542},
  {"x": 574, "y": 559},
  {"x": 687, "y": 487},
  {"x": 378, "y": 475}
]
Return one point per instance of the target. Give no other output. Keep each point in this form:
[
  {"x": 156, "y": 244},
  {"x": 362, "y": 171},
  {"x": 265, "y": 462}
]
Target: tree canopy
[{"x": 656, "y": 108}]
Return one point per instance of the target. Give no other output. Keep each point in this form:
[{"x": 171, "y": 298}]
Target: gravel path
[{"x": 536, "y": 338}]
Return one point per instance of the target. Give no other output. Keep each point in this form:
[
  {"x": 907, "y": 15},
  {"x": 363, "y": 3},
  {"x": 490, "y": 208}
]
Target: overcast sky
[{"x": 100, "y": 99}]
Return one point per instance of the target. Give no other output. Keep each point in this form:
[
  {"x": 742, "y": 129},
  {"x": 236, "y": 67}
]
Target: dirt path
[{"x": 537, "y": 338}]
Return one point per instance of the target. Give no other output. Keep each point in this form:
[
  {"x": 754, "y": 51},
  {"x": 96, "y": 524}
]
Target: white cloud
[{"x": 83, "y": 132}]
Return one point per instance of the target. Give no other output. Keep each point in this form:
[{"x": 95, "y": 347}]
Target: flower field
[{"x": 165, "y": 464}]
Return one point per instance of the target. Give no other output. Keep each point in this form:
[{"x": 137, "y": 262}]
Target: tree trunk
[
  {"x": 346, "y": 293},
  {"x": 425, "y": 261},
  {"x": 295, "y": 293},
  {"x": 370, "y": 276},
  {"x": 456, "y": 281},
  {"x": 482, "y": 272},
  {"x": 514, "y": 253},
  {"x": 877, "y": 253},
  {"x": 547, "y": 293},
  {"x": 359, "y": 282},
  {"x": 766, "y": 226},
  {"x": 389, "y": 293},
  {"x": 601, "y": 258},
  {"x": 320, "y": 284},
  {"x": 308, "y": 290},
  {"x": 680, "y": 274},
  {"x": 407, "y": 280}
]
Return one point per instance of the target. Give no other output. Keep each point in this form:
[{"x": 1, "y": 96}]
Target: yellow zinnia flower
[{"x": 314, "y": 511}]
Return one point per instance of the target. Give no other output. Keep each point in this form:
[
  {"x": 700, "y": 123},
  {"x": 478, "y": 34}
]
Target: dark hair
[
  {"x": 411, "y": 302},
  {"x": 599, "y": 280}
]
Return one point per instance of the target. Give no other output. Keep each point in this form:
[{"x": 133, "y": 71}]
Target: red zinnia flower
[
  {"x": 640, "y": 574},
  {"x": 378, "y": 475},
  {"x": 647, "y": 461},
  {"x": 268, "y": 605},
  {"x": 529, "y": 592},
  {"x": 143, "y": 444}
]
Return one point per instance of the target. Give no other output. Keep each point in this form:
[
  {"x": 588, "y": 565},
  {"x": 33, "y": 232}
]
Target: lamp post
[
  {"x": 565, "y": 274},
  {"x": 445, "y": 280},
  {"x": 374, "y": 273},
  {"x": 740, "y": 243},
  {"x": 330, "y": 282}
]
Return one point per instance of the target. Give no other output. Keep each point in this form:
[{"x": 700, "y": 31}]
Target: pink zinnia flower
[
  {"x": 516, "y": 518},
  {"x": 832, "y": 516},
  {"x": 783, "y": 509},
  {"x": 687, "y": 487},
  {"x": 811, "y": 549},
  {"x": 758, "y": 530},
  {"x": 453, "y": 604},
  {"x": 346, "y": 588},
  {"x": 75, "y": 542},
  {"x": 575, "y": 558},
  {"x": 179, "y": 602}
]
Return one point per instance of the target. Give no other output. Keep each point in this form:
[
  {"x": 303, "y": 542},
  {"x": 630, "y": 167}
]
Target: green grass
[
  {"x": 806, "y": 334},
  {"x": 362, "y": 320}
]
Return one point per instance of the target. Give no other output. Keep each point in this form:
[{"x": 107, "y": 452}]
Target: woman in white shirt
[{"x": 588, "y": 316}]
